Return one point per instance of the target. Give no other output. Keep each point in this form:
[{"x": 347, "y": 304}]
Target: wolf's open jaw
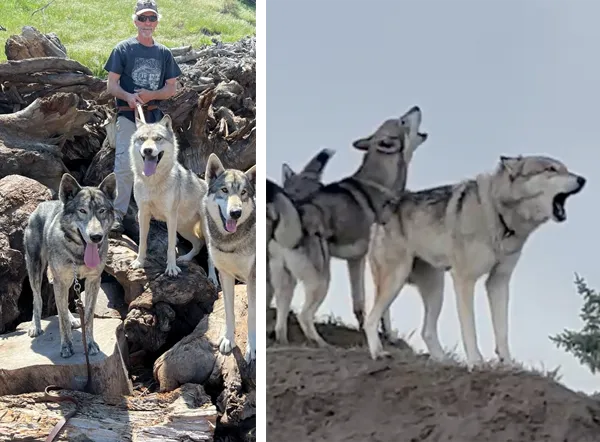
[
  {"x": 150, "y": 163},
  {"x": 231, "y": 225},
  {"x": 558, "y": 204}
]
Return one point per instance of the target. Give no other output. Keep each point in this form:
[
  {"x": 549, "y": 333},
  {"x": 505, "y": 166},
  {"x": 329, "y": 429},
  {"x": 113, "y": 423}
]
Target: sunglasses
[{"x": 145, "y": 18}]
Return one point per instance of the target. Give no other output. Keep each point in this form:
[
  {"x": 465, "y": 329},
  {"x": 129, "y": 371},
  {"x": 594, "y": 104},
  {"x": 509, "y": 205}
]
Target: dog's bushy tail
[
  {"x": 34, "y": 260},
  {"x": 287, "y": 229}
]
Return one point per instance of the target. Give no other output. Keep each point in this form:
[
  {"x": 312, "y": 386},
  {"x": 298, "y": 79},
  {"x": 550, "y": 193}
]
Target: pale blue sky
[{"x": 492, "y": 78}]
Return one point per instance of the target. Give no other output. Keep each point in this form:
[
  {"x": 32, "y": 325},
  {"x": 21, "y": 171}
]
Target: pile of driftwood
[{"x": 56, "y": 117}]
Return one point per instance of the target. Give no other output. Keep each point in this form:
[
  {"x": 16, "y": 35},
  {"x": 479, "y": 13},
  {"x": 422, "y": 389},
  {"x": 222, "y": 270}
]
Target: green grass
[{"x": 89, "y": 29}]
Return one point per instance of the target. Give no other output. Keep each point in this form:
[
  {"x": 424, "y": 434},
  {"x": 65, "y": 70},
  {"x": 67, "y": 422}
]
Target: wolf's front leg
[
  {"x": 251, "y": 346},
  {"x": 172, "y": 269},
  {"x": 92, "y": 287},
  {"x": 61, "y": 296},
  {"x": 227, "y": 340},
  {"x": 144, "y": 223}
]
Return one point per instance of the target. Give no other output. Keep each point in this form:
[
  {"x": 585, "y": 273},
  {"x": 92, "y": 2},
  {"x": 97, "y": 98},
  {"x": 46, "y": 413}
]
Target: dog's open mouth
[
  {"x": 558, "y": 205},
  {"x": 229, "y": 224},
  {"x": 150, "y": 163},
  {"x": 91, "y": 255}
]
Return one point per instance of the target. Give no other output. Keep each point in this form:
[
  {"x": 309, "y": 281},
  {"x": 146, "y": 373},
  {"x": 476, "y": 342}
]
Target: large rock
[
  {"x": 28, "y": 365},
  {"x": 19, "y": 196},
  {"x": 196, "y": 358}
]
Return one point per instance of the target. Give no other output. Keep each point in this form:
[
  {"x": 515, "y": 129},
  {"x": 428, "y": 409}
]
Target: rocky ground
[{"x": 340, "y": 394}]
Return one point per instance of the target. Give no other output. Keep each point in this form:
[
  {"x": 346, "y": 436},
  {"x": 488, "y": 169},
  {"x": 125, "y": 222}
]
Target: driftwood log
[
  {"x": 185, "y": 414},
  {"x": 37, "y": 141},
  {"x": 196, "y": 358},
  {"x": 158, "y": 305},
  {"x": 32, "y": 44}
]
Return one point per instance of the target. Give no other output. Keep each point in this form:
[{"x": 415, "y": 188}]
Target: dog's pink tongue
[
  {"x": 150, "y": 167},
  {"x": 91, "y": 256},
  {"x": 231, "y": 225}
]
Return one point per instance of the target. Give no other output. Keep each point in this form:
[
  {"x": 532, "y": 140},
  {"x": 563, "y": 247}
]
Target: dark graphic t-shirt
[{"x": 141, "y": 67}]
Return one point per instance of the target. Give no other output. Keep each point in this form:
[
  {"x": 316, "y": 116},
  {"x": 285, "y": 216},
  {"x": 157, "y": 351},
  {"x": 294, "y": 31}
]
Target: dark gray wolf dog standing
[
  {"x": 230, "y": 216},
  {"x": 70, "y": 236},
  {"x": 337, "y": 220}
]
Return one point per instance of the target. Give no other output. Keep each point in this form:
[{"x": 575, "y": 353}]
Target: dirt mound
[{"x": 340, "y": 394}]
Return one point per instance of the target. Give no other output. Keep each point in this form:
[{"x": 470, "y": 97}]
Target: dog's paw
[
  {"x": 250, "y": 355},
  {"x": 226, "y": 345},
  {"x": 34, "y": 331},
  {"x": 66, "y": 350},
  {"x": 93, "y": 348},
  {"x": 172, "y": 270},
  {"x": 137, "y": 264},
  {"x": 75, "y": 323}
]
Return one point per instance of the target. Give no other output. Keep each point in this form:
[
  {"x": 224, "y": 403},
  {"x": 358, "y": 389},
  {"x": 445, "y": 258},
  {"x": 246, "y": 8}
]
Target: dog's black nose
[
  {"x": 96, "y": 238},
  {"x": 235, "y": 214},
  {"x": 147, "y": 151},
  {"x": 580, "y": 181}
]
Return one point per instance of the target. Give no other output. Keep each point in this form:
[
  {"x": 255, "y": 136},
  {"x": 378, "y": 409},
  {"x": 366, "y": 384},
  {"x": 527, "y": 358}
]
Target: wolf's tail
[
  {"x": 34, "y": 258},
  {"x": 287, "y": 226}
]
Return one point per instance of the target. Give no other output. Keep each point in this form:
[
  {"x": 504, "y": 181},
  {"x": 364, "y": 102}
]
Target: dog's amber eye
[
  {"x": 224, "y": 189},
  {"x": 158, "y": 138},
  {"x": 244, "y": 192},
  {"x": 101, "y": 211},
  {"x": 82, "y": 211}
]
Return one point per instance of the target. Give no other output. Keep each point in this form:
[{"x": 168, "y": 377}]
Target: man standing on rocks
[{"x": 140, "y": 70}]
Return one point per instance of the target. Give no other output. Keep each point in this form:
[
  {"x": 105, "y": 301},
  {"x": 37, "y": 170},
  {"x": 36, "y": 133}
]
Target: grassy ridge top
[{"x": 90, "y": 29}]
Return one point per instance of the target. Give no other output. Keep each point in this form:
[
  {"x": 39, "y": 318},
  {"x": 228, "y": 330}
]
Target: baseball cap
[{"x": 145, "y": 6}]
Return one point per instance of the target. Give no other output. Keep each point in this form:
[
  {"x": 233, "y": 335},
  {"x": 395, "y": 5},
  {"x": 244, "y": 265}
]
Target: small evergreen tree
[{"x": 584, "y": 344}]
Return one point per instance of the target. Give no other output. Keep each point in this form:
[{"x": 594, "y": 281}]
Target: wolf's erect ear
[
  {"x": 69, "y": 187},
  {"x": 511, "y": 164},
  {"x": 251, "y": 175},
  {"x": 108, "y": 186},
  {"x": 286, "y": 172},
  {"x": 362, "y": 144},
  {"x": 214, "y": 168},
  {"x": 167, "y": 122}
]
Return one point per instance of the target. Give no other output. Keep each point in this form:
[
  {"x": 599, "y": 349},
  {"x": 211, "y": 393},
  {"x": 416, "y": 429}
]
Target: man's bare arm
[{"x": 115, "y": 89}]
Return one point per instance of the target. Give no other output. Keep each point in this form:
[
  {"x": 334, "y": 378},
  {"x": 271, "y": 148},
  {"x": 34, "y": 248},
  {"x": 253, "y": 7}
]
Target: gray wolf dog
[
  {"x": 297, "y": 187},
  {"x": 475, "y": 228},
  {"x": 167, "y": 191},
  {"x": 230, "y": 213},
  {"x": 336, "y": 221},
  {"x": 70, "y": 237}
]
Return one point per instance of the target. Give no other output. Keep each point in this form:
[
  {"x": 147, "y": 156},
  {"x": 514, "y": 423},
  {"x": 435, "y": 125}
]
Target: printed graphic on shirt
[{"x": 146, "y": 73}]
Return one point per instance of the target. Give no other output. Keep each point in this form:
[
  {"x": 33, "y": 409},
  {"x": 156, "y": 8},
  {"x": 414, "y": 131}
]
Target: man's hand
[
  {"x": 133, "y": 100},
  {"x": 145, "y": 95}
]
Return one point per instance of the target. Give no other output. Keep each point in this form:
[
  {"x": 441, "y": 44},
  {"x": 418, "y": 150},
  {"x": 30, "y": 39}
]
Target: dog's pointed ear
[
  {"x": 251, "y": 175},
  {"x": 214, "y": 168},
  {"x": 286, "y": 172},
  {"x": 363, "y": 143},
  {"x": 69, "y": 188},
  {"x": 108, "y": 186},
  {"x": 167, "y": 122},
  {"x": 511, "y": 164}
]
